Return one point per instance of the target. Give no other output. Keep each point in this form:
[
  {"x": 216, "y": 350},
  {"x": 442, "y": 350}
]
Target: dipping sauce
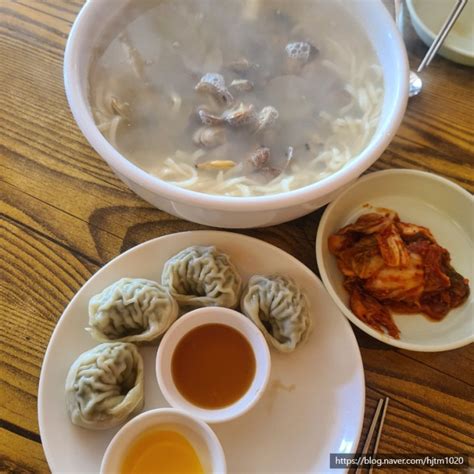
[
  {"x": 213, "y": 366},
  {"x": 161, "y": 451}
]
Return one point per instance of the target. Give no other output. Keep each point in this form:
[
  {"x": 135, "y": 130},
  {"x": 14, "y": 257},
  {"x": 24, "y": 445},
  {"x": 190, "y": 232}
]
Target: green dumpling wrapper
[
  {"x": 201, "y": 276},
  {"x": 131, "y": 310},
  {"x": 279, "y": 309},
  {"x": 104, "y": 386}
]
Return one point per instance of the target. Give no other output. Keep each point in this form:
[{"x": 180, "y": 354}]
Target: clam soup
[{"x": 237, "y": 97}]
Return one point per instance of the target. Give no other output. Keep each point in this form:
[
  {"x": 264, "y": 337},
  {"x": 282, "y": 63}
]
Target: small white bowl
[
  {"x": 213, "y": 315},
  {"x": 420, "y": 198},
  {"x": 202, "y": 438},
  {"x": 428, "y": 16}
]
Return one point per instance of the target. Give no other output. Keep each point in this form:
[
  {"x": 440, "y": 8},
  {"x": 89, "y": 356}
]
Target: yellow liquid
[{"x": 161, "y": 451}]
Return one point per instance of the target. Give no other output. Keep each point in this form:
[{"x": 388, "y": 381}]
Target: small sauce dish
[
  {"x": 213, "y": 363},
  {"x": 178, "y": 437}
]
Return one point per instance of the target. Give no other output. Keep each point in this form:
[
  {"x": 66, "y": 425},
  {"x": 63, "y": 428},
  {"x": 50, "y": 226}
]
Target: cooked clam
[
  {"x": 301, "y": 51},
  {"x": 262, "y": 158},
  {"x": 259, "y": 159},
  {"x": 208, "y": 117},
  {"x": 266, "y": 118},
  {"x": 240, "y": 65},
  {"x": 240, "y": 115},
  {"x": 209, "y": 137},
  {"x": 299, "y": 54},
  {"x": 214, "y": 84},
  {"x": 241, "y": 85}
]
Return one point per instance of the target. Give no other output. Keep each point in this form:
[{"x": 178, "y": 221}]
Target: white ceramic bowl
[
  {"x": 420, "y": 198},
  {"x": 202, "y": 438},
  {"x": 428, "y": 16},
  {"x": 237, "y": 212},
  {"x": 213, "y": 315}
]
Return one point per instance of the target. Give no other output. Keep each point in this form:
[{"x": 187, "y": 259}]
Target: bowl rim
[
  {"x": 387, "y": 127},
  {"x": 204, "y": 431},
  {"x": 334, "y": 295},
  {"x": 193, "y": 320},
  {"x": 428, "y": 32}
]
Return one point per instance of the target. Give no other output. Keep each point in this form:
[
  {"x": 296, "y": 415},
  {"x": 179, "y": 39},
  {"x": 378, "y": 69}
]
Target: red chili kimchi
[{"x": 393, "y": 266}]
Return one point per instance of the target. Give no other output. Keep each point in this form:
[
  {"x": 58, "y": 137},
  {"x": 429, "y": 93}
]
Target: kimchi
[{"x": 394, "y": 266}]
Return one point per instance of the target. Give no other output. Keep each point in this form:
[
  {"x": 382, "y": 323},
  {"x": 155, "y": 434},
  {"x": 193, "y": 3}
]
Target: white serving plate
[
  {"x": 314, "y": 403},
  {"x": 420, "y": 198}
]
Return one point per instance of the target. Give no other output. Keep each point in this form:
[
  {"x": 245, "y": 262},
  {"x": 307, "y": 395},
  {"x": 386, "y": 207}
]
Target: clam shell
[
  {"x": 240, "y": 116},
  {"x": 209, "y": 137},
  {"x": 240, "y": 65},
  {"x": 299, "y": 54},
  {"x": 260, "y": 158},
  {"x": 209, "y": 118},
  {"x": 214, "y": 84},
  {"x": 301, "y": 51},
  {"x": 241, "y": 85},
  {"x": 266, "y": 118}
]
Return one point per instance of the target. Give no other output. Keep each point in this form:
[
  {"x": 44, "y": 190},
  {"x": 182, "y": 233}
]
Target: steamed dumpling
[
  {"x": 131, "y": 310},
  {"x": 105, "y": 385},
  {"x": 279, "y": 309},
  {"x": 202, "y": 276}
]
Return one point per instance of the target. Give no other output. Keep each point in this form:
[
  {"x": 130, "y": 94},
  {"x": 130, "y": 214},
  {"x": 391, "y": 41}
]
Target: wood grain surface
[{"x": 64, "y": 214}]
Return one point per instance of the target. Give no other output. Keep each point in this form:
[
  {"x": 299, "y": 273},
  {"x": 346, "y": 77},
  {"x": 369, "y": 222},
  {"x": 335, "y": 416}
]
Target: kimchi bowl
[{"x": 418, "y": 198}]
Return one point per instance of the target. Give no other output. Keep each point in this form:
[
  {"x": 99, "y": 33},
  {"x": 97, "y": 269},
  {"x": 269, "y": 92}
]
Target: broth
[
  {"x": 213, "y": 366},
  {"x": 253, "y": 98}
]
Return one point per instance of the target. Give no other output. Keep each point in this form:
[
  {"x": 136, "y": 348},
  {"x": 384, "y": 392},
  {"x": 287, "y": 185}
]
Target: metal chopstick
[
  {"x": 370, "y": 434},
  {"x": 379, "y": 432},
  {"x": 445, "y": 29}
]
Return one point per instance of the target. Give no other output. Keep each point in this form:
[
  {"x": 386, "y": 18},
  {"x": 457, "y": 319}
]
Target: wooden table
[{"x": 65, "y": 214}]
